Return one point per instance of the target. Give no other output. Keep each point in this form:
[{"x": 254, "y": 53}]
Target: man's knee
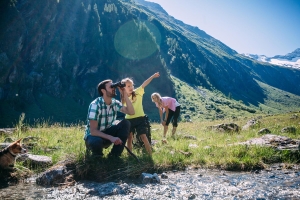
[
  {"x": 94, "y": 143},
  {"x": 125, "y": 124}
]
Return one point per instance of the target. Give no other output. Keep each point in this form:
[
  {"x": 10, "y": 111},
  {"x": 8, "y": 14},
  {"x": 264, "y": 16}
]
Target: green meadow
[{"x": 195, "y": 145}]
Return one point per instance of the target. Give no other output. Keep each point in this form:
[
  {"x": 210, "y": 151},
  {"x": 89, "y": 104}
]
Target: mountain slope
[
  {"x": 54, "y": 53},
  {"x": 223, "y": 67}
]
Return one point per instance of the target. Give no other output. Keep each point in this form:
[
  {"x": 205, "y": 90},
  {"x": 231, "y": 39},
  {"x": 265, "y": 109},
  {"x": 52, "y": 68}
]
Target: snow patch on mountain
[
  {"x": 294, "y": 63},
  {"x": 289, "y": 60}
]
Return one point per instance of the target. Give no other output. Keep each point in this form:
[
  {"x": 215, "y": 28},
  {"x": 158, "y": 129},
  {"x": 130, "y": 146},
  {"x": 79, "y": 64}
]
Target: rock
[
  {"x": 7, "y": 131},
  {"x": 149, "y": 178},
  {"x": 288, "y": 129},
  {"x": 50, "y": 177},
  {"x": 251, "y": 123},
  {"x": 294, "y": 116},
  {"x": 146, "y": 178},
  {"x": 226, "y": 127},
  {"x": 3, "y": 145},
  {"x": 164, "y": 176},
  {"x": 56, "y": 176},
  {"x": 190, "y": 137},
  {"x": 156, "y": 178},
  {"x": 276, "y": 141},
  {"x": 192, "y": 196},
  {"x": 288, "y": 147},
  {"x": 187, "y": 154},
  {"x": 264, "y": 131},
  {"x": 187, "y": 117},
  {"x": 111, "y": 188},
  {"x": 35, "y": 160},
  {"x": 193, "y": 145}
]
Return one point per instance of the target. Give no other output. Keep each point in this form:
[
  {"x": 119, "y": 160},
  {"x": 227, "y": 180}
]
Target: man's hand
[
  {"x": 122, "y": 92},
  {"x": 116, "y": 141}
]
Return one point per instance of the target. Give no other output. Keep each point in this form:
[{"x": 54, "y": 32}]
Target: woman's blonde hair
[
  {"x": 158, "y": 97},
  {"x": 155, "y": 94}
]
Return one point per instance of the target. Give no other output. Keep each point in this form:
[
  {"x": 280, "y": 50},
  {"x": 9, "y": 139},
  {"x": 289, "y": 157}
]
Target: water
[{"x": 190, "y": 184}]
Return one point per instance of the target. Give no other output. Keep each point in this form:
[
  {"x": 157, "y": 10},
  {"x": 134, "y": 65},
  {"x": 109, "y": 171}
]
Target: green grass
[
  {"x": 210, "y": 150},
  {"x": 202, "y": 104},
  {"x": 278, "y": 100}
]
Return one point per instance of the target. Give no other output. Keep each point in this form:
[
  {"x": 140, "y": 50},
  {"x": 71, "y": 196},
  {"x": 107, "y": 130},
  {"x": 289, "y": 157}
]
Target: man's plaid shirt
[{"x": 103, "y": 114}]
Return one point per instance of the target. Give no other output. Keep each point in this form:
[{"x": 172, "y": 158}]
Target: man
[{"x": 102, "y": 128}]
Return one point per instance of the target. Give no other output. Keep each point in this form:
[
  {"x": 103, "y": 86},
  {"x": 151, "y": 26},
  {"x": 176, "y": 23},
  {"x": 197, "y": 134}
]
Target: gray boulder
[
  {"x": 7, "y": 131},
  {"x": 149, "y": 178},
  {"x": 250, "y": 124},
  {"x": 226, "y": 127},
  {"x": 275, "y": 141},
  {"x": 56, "y": 176},
  {"x": 35, "y": 161},
  {"x": 264, "y": 131},
  {"x": 288, "y": 129}
]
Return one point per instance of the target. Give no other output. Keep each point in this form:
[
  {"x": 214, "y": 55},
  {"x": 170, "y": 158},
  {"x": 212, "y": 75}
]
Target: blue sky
[{"x": 264, "y": 27}]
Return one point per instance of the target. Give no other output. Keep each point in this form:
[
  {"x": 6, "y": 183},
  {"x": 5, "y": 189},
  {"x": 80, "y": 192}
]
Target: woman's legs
[
  {"x": 165, "y": 130},
  {"x": 175, "y": 120},
  {"x": 174, "y": 131},
  {"x": 170, "y": 116}
]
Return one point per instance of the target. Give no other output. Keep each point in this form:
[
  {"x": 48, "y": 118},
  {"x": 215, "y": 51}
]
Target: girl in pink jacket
[{"x": 171, "y": 108}]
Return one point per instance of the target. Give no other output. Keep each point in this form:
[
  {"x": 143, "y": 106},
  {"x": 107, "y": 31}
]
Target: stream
[{"x": 274, "y": 183}]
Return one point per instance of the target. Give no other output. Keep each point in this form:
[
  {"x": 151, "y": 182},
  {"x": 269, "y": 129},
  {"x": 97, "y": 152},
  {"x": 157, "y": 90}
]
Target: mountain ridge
[
  {"x": 51, "y": 61},
  {"x": 289, "y": 60}
]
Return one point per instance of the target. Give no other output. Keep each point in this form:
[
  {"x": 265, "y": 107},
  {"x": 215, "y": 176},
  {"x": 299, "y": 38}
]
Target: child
[
  {"x": 139, "y": 122},
  {"x": 172, "y": 109}
]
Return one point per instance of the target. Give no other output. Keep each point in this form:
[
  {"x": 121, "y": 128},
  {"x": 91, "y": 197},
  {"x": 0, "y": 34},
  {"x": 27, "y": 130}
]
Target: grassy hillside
[
  {"x": 278, "y": 101},
  {"x": 199, "y": 103}
]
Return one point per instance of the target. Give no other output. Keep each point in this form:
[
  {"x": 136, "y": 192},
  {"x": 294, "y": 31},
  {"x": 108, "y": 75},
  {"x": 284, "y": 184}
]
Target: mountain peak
[{"x": 295, "y": 53}]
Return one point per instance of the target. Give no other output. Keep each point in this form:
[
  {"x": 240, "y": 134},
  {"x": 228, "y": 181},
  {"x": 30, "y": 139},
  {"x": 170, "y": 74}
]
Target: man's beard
[{"x": 111, "y": 94}]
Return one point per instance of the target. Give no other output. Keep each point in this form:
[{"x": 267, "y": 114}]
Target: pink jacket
[{"x": 170, "y": 102}]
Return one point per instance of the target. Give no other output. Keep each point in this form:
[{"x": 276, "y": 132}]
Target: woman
[
  {"x": 139, "y": 121},
  {"x": 171, "y": 108}
]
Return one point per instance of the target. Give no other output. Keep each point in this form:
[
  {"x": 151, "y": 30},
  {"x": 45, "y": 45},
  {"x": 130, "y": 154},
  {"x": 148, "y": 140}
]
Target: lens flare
[{"x": 137, "y": 39}]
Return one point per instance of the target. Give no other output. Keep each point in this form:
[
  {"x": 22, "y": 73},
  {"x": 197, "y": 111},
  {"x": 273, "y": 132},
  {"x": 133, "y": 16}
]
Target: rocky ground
[{"x": 273, "y": 183}]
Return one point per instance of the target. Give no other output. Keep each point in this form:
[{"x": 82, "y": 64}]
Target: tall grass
[{"x": 209, "y": 150}]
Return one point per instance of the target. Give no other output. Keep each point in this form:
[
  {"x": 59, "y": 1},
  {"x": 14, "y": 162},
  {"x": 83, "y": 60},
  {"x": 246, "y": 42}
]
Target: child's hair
[
  {"x": 125, "y": 80},
  {"x": 155, "y": 94}
]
